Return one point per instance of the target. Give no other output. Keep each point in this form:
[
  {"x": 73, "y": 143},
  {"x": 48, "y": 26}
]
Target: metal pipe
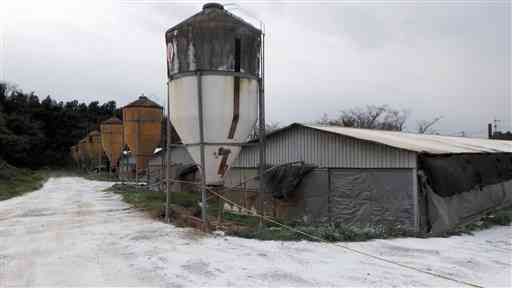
[
  {"x": 204, "y": 216},
  {"x": 262, "y": 140},
  {"x": 137, "y": 149},
  {"x": 123, "y": 145},
  {"x": 98, "y": 139},
  {"x": 168, "y": 158}
]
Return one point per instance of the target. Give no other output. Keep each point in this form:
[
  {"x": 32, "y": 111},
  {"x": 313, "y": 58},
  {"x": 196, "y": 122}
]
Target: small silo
[
  {"x": 74, "y": 154},
  {"x": 83, "y": 152},
  {"x": 142, "y": 122},
  {"x": 213, "y": 64},
  {"x": 94, "y": 149},
  {"x": 112, "y": 139}
]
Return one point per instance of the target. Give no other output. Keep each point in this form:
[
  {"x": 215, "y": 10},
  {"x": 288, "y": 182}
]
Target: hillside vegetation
[
  {"x": 38, "y": 133},
  {"x": 15, "y": 182}
]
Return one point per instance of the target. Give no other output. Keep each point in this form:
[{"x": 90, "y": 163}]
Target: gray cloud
[{"x": 433, "y": 59}]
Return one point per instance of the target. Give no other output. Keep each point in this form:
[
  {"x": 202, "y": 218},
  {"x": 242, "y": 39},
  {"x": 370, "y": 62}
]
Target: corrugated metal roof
[
  {"x": 143, "y": 101},
  {"x": 113, "y": 120},
  {"x": 421, "y": 143},
  {"x": 325, "y": 150}
]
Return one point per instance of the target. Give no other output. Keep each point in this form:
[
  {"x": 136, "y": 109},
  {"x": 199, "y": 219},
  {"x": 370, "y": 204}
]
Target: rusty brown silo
[
  {"x": 74, "y": 154},
  {"x": 112, "y": 139},
  {"x": 83, "y": 153},
  {"x": 94, "y": 149},
  {"x": 142, "y": 122}
]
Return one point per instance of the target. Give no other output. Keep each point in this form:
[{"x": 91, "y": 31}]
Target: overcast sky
[{"x": 432, "y": 58}]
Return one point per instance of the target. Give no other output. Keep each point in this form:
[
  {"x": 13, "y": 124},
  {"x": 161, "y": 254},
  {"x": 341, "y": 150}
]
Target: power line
[
  {"x": 350, "y": 249},
  {"x": 353, "y": 250}
]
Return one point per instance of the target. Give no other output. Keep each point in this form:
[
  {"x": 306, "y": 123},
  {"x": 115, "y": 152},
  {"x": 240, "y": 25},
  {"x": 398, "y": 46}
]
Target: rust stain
[
  {"x": 223, "y": 167},
  {"x": 236, "y": 92},
  {"x": 236, "y": 108}
]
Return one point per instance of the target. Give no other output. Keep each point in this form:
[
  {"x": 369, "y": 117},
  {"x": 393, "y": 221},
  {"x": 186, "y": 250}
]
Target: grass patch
[
  {"x": 153, "y": 202},
  {"x": 140, "y": 197},
  {"x": 185, "y": 199},
  {"x": 243, "y": 220},
  {"x": 330, "y": 233},
  {"x": 501, "y": 217},
  {"x": 16, "y": 181},
  {"x": 340, "y": 233}
]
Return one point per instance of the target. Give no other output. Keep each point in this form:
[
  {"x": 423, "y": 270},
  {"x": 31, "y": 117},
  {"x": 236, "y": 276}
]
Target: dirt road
[{"x": 70, "y": 233}]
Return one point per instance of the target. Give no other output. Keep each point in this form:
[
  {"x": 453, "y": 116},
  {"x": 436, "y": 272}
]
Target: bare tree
[
  {"x": 425, "y": 126},
  {"x": 8, "y": 88},
  {"x": 325, "y": 120},
  {"x": 270, "y": 127},
  {"x": 394, "y": 120},
  {"x": 372, "y": 117}
]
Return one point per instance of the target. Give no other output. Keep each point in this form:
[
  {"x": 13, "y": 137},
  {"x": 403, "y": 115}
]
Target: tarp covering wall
[
  {"x": 455, "y": 174},
  {"x": 459, "y": 188},
  {"x": 372, "y": 196},
  {"x": 315, "y": 188},
  {"x": 349, "y": 196},
  {"x": 445, "y": 213}
]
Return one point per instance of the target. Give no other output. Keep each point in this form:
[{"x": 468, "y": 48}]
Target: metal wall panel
[{"x": 326, "y": 150}]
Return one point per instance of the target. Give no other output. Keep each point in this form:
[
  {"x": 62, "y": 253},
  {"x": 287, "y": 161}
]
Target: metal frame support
[
  {"x": 168, "y": 157},
  {"x": 137, "y": 154},
  {"x": 242, "y": 75},
  {"x": 415, "y": 199},
  {"x": 204, "y": 215},
  {"x": 262, "y": 136}
]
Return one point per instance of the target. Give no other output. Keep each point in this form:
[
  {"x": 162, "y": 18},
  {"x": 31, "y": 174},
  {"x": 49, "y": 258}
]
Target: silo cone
[
  {"x": 213, "y": 58},
  {"x": 142, "y": 122},
  {"x": 112, "y": 139}
]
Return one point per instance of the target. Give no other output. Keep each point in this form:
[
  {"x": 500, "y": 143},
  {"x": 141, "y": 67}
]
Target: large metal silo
[
  {"x": 112, "y": 139},
  {"x": 142, "y": 122},
  {"x": 213, "y": 62}
]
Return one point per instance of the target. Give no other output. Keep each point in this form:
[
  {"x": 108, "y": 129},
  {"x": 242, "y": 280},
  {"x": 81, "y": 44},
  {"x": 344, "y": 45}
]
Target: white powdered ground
[{"x": 70, "y": 233}]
